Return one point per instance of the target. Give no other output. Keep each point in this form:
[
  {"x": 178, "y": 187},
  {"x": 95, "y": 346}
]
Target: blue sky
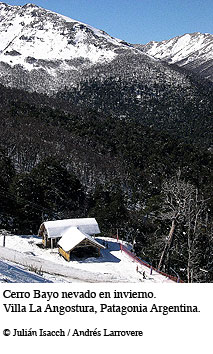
[{"x": 136, "y": 21}]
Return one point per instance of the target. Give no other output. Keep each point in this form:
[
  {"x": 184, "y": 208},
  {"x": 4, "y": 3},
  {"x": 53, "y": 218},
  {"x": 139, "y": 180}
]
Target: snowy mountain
[
  {"x": 30, "y": 35},
  {"x": 86, "y": 68},
  {"x": 38, "y": 40},
  {"x": 46, "y": 52},
  {"x": 192, "y": 51}
]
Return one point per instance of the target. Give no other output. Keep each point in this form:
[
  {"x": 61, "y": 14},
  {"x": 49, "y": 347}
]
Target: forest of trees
[{"x": 151, "y": 185}]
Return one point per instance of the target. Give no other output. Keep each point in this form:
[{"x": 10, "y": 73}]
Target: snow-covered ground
[
  {"x": 22, "y": 255},
  {"x": 11, "y": 273}
]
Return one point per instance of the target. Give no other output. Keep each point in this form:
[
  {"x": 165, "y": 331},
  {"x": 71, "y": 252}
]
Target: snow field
[{"x": 112, "y": 266}]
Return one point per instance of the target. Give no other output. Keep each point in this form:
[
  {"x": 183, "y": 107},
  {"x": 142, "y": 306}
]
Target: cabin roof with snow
[
  {"x": 73, "y": 237},
  {"x": 58, "y": 228}
]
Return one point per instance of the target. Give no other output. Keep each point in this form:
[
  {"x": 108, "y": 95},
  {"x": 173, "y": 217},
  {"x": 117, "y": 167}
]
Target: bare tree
[{"x": 185, "y": 207}]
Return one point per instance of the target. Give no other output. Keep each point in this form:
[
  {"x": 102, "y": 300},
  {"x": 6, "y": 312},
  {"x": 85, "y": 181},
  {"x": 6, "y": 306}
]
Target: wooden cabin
[
  {"x": 71, "y": 235},
  {"x": 76, "y": 242}
]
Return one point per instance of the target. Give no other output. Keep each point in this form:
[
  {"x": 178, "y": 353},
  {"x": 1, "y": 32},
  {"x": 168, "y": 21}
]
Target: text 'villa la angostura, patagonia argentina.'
[{"x": 97, "y": 308}]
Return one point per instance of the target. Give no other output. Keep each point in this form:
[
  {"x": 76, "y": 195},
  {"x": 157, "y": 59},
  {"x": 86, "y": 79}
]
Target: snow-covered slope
[
  {"x": 43, "y": 51},
  {"x": 113, "y": 265},
  {"x": 31, "y": 35},
  {"x": 47, "y": 52},
  {"x": 193, "y": 51},
  {"x": 11, "y": 273}
]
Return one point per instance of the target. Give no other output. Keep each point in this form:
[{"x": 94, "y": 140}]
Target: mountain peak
[
  {"x": 30, "y": 5},
  {"x": 31, "y": 35},
  {"x": 193, "y": 51}
]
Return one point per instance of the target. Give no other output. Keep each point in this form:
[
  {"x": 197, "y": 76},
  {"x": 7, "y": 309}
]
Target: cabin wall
[{"x": 63, "y": 253}]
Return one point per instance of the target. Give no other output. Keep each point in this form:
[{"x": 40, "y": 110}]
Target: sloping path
[{"x": 10, "y": 273}]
